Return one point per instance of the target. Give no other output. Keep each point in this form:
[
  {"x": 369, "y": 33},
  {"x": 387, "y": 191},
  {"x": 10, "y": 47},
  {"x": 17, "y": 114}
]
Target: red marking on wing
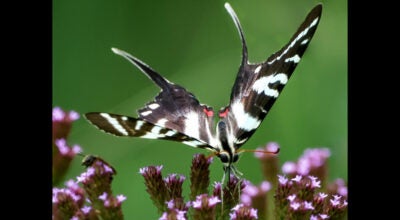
[
  {"x": 223, "y": 112},
  {"x": 209, "y": 112}
]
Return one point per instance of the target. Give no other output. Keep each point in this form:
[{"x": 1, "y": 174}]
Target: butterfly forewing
[
  {"x": 174, "y": 107},
  {"x": 257, "y": 86}
]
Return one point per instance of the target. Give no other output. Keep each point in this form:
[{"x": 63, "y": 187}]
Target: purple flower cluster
[
  {"x": 297, "y": 194},
  {"x": 166, "y": 193},
  {"x": 92, "y": 200},
  {"x": 62, "y": 152},
  {"x": 298, "y": 198},
  {"x": 313, "y": 162}
]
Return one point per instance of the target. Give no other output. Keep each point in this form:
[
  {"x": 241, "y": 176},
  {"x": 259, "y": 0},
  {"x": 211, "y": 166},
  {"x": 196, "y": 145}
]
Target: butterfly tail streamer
[
  {"x": 239, "y": 28},
  {"x": 162, "y": 82}
]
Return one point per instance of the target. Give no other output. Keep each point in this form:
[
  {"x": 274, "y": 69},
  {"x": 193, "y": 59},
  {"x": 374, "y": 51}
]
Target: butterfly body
[{"x": 175, "y": 114}]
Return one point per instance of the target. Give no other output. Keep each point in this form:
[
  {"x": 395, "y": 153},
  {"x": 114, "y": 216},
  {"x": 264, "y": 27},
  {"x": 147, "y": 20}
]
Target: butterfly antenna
[{"x": 260, "y": 151}]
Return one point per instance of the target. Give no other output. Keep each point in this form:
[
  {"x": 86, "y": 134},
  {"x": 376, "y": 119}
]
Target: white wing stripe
[
  {"x": 304, "y": 32},
  {"x": 244, "y": 120},
  {"x": 156, "y": 130},
  {"x": 138, "y": 125},
  {"x": 114, "y": 123},
  {"x": 192, "y": 125},
  {"x": 262, "y": 84},
  {"x": 295, "y": 59}
]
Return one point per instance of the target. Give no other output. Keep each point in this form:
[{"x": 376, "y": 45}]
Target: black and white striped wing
[
  {"x": 257, "y": 86},
  {"x": 121, "y": 125},
  {"x": 174, "y": 109}
]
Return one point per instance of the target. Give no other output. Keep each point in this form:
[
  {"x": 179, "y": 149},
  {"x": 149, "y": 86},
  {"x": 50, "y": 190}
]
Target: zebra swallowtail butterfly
[{"x": 176, "y": 115}]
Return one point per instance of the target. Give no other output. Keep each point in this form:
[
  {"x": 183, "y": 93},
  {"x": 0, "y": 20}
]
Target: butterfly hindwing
[
  {"x": 257, "y": 86},
  {"x": 121, "y": 125}
]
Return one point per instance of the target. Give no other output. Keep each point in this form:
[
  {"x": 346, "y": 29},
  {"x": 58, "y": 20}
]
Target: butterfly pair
[{"x": 176, "y": 115}]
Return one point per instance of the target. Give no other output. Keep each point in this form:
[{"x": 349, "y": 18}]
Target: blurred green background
[{"x": 195, "y": 44}]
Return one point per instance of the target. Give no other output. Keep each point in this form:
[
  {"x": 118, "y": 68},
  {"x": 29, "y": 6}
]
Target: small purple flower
[
  {"x": 291, "y": 197},
  {"x": 253, "y": 213},
  {"x": 58, "y": 114},
  {"x": 245, "y": 199},
  {"x": 86, "y": 209},
  {"x": 324, "y": 216},
  {"x": 74, "y": 218},
  {"x": 86, "y": 175},
  {"x": 74, "y": 196},
  {"x": 164, "y": 216},
  {"x": 335, "y": 202},
  {"x": 62, "y": 146},
  {"x": 55, "y": 193},
  {"x": 289, "y": 167},
  {"x": 282, "y": 180},
  {"x": 338, "y": 187},
  {"x": 294, "y": 205},
  {"x": 108, "y": 169},
  {"x": 265, "y": 186},
  {"x": 317, "y": 156},
  {"x": 170, "y": 204},
  {"x": 76, "y": 149},
  {"x": 217, "y": 188},
  {"x": 297, "y": 178},
  {"x": 337, "y": 197},
  {"x": 213, "y": 201},
  {"x": 303, "y": 166},
  {"x": 272, "y": 147},
  {"x": 250, "y": 190},
  {"x": 308, "y": 205},
  {"x": 315, "y": 183},
  {"x": 107, "y": 203},
  {"x": 103, "y": 196},
  {"x": 196, "y": 204},
  {"x": 322, "y": 195},
  {"x": 342, "y": 190},
  {"x": 217, "y": 185},
  {"x": 73, "y": 115},
  {"x": 72, "y": 185},
  {"x": 121, "y": 198},
  {"x": 181, "y": 215}
]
